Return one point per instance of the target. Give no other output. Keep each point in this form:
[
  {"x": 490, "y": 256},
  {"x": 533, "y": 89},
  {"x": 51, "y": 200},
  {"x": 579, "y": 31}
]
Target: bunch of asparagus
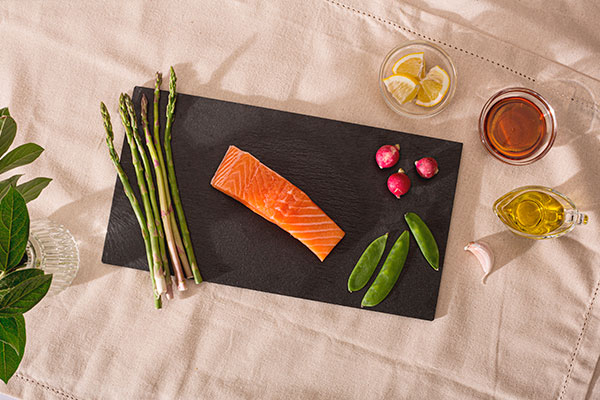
[{"x": 157, "y": 220}]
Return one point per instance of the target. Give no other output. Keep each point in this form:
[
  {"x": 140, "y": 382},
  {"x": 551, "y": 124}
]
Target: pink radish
[
  {"x": 427, "y": 167},
  {"x": 399, "y": 183},
  {"x": 387, "y": 156}
]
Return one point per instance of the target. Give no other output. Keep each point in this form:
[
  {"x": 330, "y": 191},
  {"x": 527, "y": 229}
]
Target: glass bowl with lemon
[{"x": 417, "y": 79}]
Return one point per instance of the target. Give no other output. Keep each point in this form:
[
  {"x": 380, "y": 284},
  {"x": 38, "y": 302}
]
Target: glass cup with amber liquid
[
  {"x": 517, "y": 126},
  {"x": 538, "y": 212}
]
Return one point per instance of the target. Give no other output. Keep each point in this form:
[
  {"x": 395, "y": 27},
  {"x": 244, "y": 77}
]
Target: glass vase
[{"x": 52, "y": 248}]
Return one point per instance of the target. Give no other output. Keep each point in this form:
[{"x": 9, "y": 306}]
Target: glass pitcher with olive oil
[{"x": 538, "y": 212}]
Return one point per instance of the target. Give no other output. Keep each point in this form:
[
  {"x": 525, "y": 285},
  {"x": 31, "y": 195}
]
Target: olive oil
[
  {"x": 538, "y": 212},
  {"x": 535, "y": 213}
]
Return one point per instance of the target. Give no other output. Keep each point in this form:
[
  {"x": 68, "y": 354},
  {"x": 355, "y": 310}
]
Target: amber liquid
[{"x": 515, "y": 128}]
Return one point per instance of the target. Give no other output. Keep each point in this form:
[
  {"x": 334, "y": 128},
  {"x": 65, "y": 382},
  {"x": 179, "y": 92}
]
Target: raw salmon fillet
[{"x": 271, "y": 196}]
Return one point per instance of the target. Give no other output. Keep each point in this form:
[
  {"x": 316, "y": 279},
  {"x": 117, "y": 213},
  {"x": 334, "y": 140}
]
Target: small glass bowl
[
  {"x": 546, "y": 110},
  {"x": 433, "y": 56}
]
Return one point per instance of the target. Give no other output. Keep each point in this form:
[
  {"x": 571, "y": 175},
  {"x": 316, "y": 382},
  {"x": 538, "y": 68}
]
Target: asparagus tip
[
  {"x": 172, "y": 79},
  {"x": 107, "y": 123}
]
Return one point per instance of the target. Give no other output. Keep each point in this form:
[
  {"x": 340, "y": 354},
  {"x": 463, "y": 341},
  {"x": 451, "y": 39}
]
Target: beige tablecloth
[{"x": 531, "y": 332}]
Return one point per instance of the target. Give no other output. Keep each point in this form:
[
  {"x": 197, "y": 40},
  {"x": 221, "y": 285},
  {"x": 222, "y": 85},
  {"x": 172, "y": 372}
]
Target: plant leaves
[
  {"x": 31, "y": 190},
  {"x": 24, "y": 296},
  {"x": 4, "y": 111},
  {"x": 8, "y": 130},
  {"x": 14, "y": 229},
  {"x": 11, "y": 334},
  {"x": 14, "y": 278},
  {"x": 5, "y": 184},
  {"x": 22, "y": 155},
  {"x": 9, "y": 357}
]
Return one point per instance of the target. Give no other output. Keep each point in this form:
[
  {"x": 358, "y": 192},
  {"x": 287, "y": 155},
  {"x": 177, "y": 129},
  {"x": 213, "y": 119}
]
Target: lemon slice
[
  {"x": 403, "y": 87},
  {"x": 433, "y": 87},
  {"x": 412, "y": 64}
]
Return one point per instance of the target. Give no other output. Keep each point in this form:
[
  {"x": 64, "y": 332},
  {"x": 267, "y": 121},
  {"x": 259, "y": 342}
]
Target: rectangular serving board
[{"x": 334, "y": 163}]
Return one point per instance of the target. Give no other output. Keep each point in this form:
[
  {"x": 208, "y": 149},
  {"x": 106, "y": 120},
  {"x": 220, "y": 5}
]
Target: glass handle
[
  {"x": 581, "y": 219},
  {"x": 576, "y": 217}
]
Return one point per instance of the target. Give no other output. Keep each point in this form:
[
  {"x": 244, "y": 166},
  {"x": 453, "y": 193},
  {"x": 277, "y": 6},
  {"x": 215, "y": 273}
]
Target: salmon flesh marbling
[{"x": 243, "y": 177}]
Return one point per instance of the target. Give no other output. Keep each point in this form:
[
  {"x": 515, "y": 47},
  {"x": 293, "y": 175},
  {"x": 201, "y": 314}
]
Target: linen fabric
[{"x": 530, "y": 332}]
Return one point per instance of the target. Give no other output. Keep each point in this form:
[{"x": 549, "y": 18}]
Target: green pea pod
[
  {"x": 389, "y": 273},
  {"x": 424, "y": 239},
  {"x": 366, "y": 264}
]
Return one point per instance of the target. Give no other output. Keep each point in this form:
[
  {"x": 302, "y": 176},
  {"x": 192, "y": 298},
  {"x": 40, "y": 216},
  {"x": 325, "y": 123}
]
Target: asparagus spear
[
  {"x": 151, "y": 193},
  {"x": 187, "y": 242},
  {"x": 178, "y": 242},
  {"x": 162, "y": 189},
  {"x": 129, "y": 193},
  {"x": 159, "y": 278}
]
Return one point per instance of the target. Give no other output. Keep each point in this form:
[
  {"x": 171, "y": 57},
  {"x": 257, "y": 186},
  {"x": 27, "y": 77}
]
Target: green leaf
[
  {"x": 10, "y": 333},
  {"x": 4, "y": 111},
  {"x": 8, "y": 130},
  {"x": 12, "y": 180},
  {"x": 22, "y": 155},
  {"x": 9, "y": 357},
  {"x": 14, "y": 229},
  {"x": 32, "y": 189},
  {"x": 14, "y": 278},
  {"x": 24, "y": 296},
  {"x": 5, "y": 184}
]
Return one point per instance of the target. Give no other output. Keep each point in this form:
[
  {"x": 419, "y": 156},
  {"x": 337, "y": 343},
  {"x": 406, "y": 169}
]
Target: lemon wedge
[
  {"x": 433, "y": 87},
  {"x": 403, "y": 87},
  {"x": 412, "y": 64}
]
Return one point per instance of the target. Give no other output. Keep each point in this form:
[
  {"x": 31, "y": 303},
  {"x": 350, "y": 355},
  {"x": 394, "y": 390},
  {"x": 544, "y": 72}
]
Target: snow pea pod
[
  {"x": 366, "y": 264},
  {"x": 424, "y": 238},
  {"x": 389, "y": 273}
]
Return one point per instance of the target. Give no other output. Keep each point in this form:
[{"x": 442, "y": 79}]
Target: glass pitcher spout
[{"x": 538, "y": 212}]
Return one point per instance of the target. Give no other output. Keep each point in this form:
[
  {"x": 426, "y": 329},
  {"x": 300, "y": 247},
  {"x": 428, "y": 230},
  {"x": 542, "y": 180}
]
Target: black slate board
[{"x": 333, "y": 162}]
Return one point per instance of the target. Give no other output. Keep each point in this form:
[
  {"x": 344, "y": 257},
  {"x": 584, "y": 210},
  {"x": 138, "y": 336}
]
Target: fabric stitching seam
[
  {"x": 60, "y": 392},
  {"x": 578, "y": 343},
  {"x": 591, "y": 106}
]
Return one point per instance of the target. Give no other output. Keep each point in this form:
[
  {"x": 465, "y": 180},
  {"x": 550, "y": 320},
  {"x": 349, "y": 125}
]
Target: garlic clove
[{"x": 484, "y": 255}]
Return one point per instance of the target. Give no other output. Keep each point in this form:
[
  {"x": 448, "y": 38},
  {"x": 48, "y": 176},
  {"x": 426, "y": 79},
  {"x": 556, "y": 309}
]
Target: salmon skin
[{"x": 241, "y": 176}]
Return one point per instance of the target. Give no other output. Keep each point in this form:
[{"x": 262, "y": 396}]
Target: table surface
[{"x": 530, "y": 332}]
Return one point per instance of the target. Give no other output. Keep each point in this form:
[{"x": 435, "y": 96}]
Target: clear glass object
[
  {"x": 515, "y": 120},
  {"x": 52, "y": 248},
  {"x": 538, "y": 212},
  {"x": 433, "y": 55}
]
